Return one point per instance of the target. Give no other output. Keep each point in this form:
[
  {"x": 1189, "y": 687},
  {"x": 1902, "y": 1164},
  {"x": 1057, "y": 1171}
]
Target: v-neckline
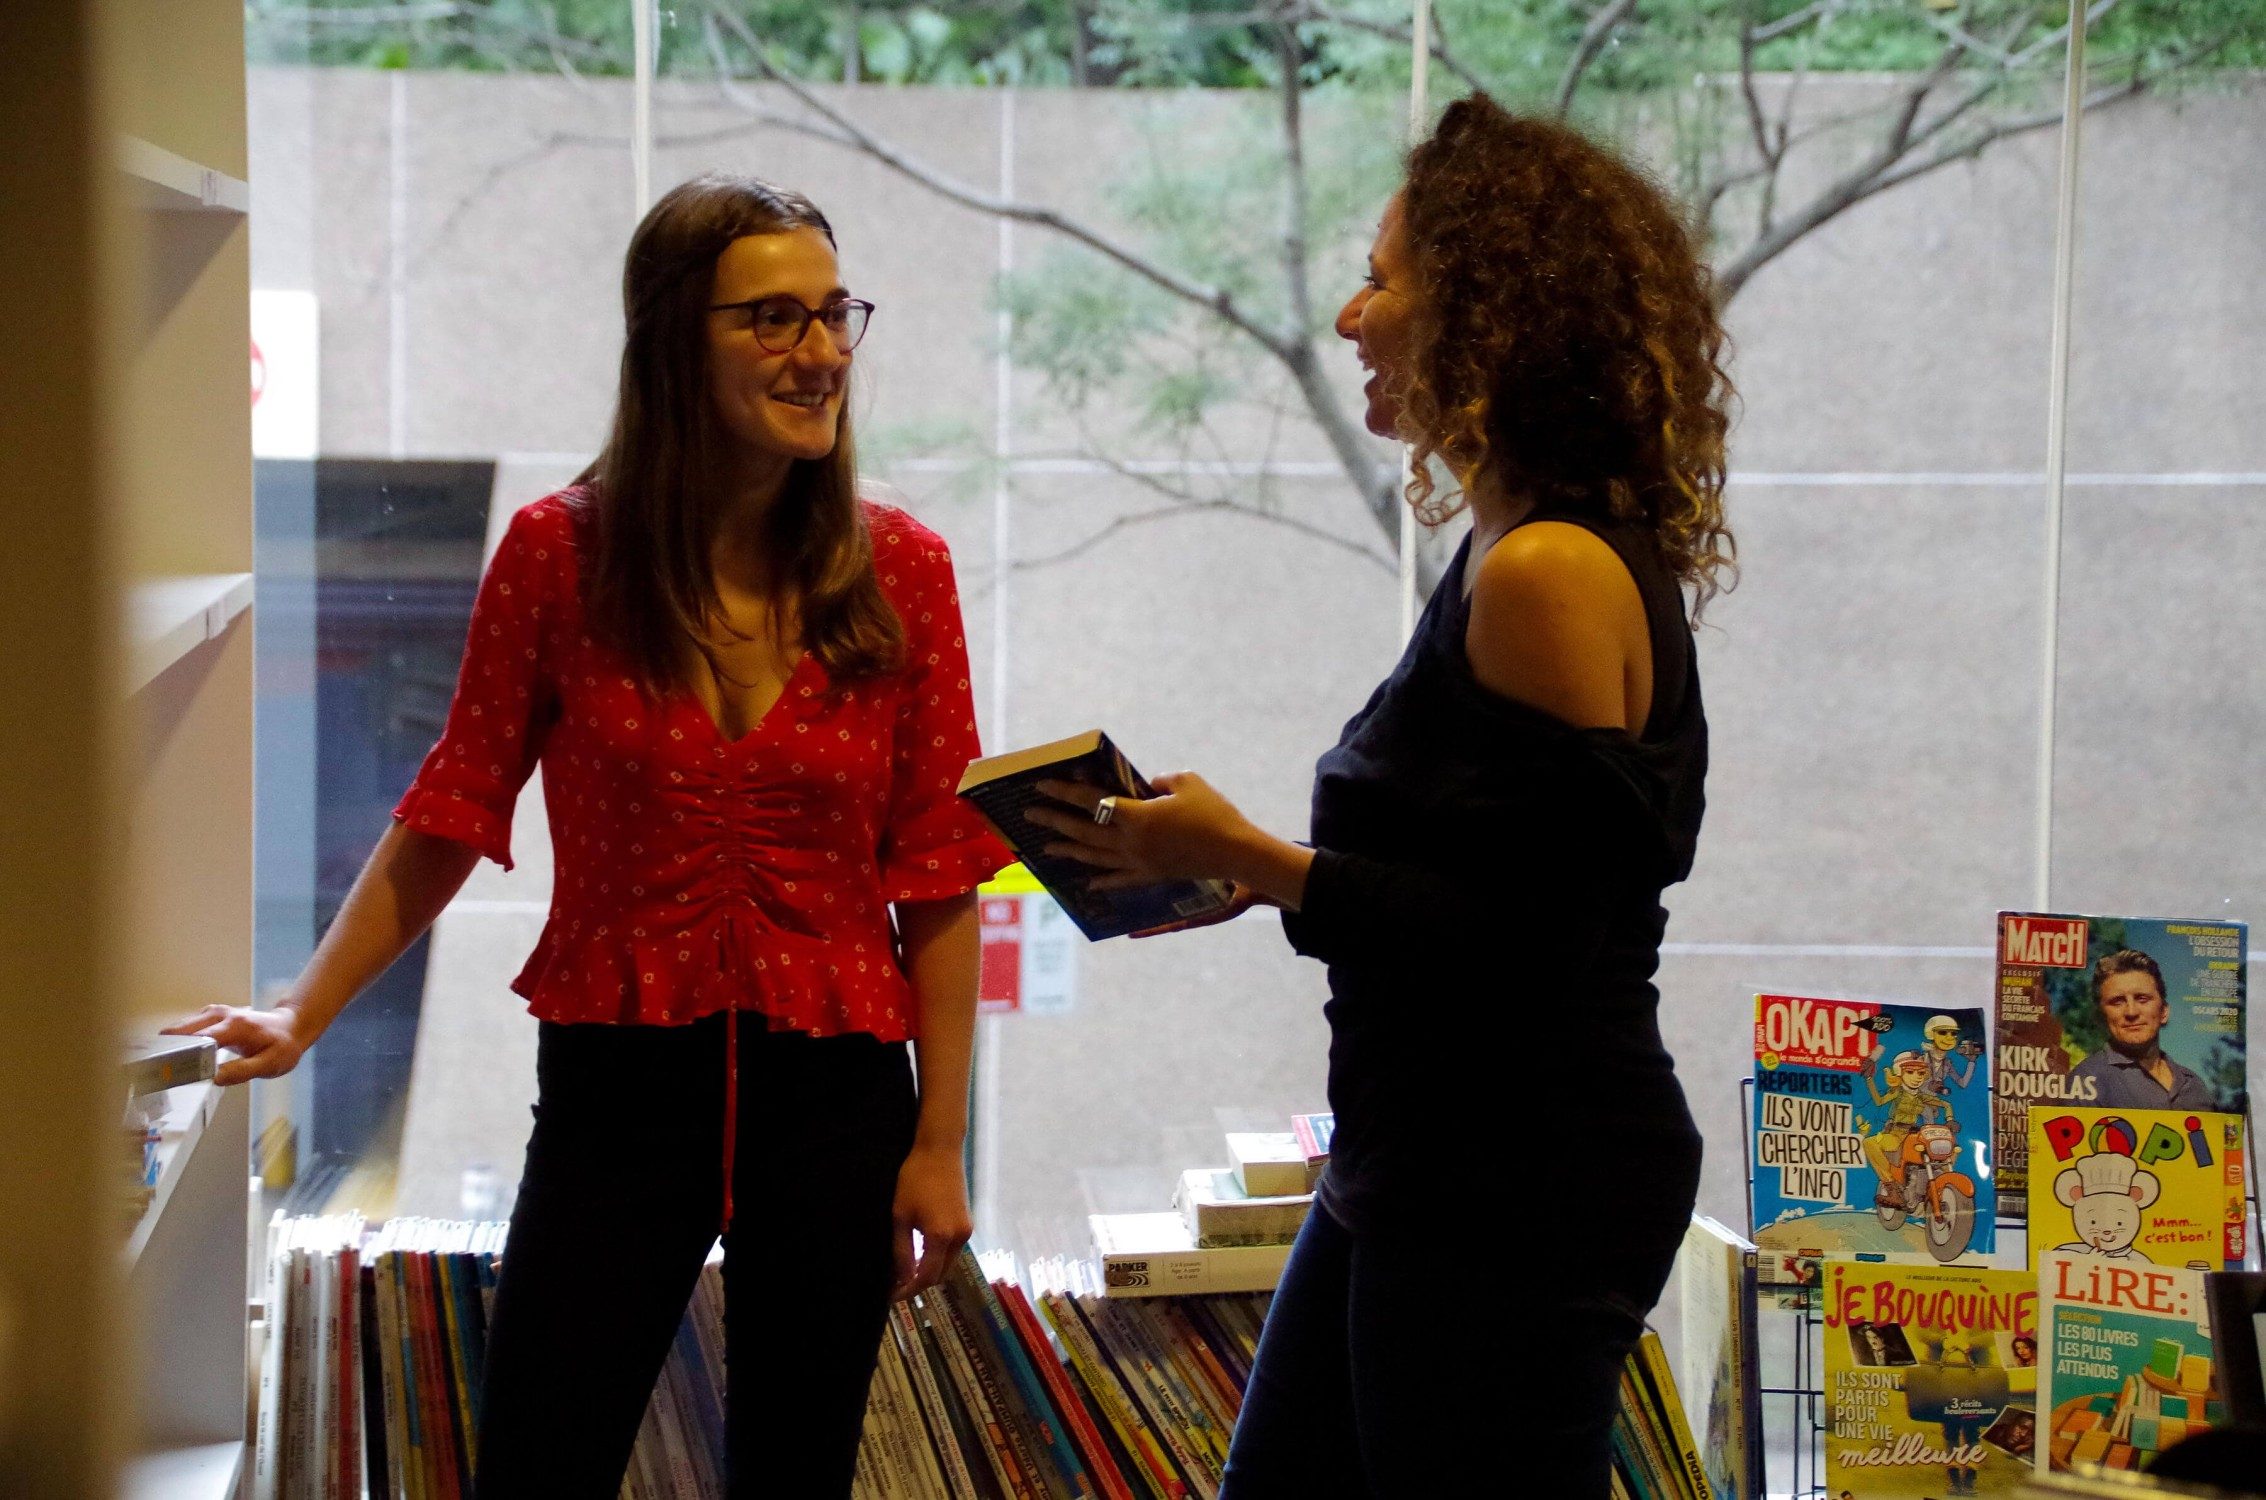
[{"x": 733, "y": 742}]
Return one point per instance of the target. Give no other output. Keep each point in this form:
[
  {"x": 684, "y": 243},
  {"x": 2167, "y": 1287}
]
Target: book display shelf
[
  {"x": 182, "y": 491},
  {"x": 1793, "y": 1406},
  {"x": 127, "y": 669}
]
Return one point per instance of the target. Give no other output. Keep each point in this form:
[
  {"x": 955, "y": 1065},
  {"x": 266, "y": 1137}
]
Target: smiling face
[
  {"x": 2134, "y": 1009},
  {"x": 1377, "y": 319},
  {"x": 776, "y": 407}
]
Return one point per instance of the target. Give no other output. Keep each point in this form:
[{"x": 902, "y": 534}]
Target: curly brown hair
[{"x": 1567, "y": 335}]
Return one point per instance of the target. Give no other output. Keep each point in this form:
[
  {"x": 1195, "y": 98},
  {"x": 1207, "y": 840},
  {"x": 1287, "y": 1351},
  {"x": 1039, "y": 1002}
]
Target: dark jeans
[
  {"x": 618, "y": 1206},
  {"x": 1451, "y": 1361}
]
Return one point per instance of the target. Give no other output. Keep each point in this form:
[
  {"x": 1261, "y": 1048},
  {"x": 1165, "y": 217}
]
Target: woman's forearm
[
  {"x": 403, "y": 887},
  {"x": 941, "y": 950}
]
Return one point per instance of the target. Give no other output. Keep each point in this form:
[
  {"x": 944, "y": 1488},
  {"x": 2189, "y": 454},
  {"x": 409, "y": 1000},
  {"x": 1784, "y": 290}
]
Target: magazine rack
[{"x": 1802, "y": 1400}]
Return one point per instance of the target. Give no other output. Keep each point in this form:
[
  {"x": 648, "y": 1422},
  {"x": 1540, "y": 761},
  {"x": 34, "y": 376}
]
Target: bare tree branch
[
  {"x": 1894, "y": 164},
  {"x": 1190, "y": 505},
  {"x": 1216, "y": 300},
  {"x": 1594, "y": 36},
  {"x": 1441, "y": 52}
]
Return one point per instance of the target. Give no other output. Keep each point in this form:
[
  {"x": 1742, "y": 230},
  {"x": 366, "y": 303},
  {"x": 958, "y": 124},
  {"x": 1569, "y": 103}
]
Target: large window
[{"x": 1164, "y": 524}]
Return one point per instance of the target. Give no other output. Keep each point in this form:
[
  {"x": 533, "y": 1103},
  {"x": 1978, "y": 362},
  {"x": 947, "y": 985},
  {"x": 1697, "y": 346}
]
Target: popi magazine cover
[
  {"x": 2129, "y": 1368},
  {"x": 2112, "y": 1013},
  {"x": 2144, "y": 1186},
  {"x": 1930, "y": 1379},
  {"x": 1871, "y": 1123}
]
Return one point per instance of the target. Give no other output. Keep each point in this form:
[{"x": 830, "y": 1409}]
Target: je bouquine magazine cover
[
  {"x": 1930, "y": 1379},
  {"x": 1870, "y": 1130},
  {"x": 2112, "y": 1013}
]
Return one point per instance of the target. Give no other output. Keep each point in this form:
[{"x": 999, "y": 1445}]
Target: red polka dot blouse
[{"x": 696, "y": 874}]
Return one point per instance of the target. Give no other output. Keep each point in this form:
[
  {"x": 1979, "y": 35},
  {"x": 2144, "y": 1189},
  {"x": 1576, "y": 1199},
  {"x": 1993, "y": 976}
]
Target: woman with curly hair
[{"x": 1491, "y": 837}]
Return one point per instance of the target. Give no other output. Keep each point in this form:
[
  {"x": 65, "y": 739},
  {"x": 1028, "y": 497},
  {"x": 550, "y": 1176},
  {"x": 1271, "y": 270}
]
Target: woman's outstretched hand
[
  {"x": 267, "y": 1043},
  {"x": 1187, "y": 831},
  {"x": 932, "y": 1198}
]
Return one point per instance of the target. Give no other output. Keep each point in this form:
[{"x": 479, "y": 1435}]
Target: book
[
  {"x": 1650, "y": 1363},
  {"x": 1217, "y": 1213},
  {"x": 1314, "y": 1133},
  {"x": 2163, "y": 1187},
  {"x": 2113, "y": 1013},
  {"x": 1719, "y": 1369},
  {"x": 157, "y": 1063},
  {"x": 1154, "y": 1255},
  {"x": 1921, "y": 1362},
  {"x": 2129, "y": 1362},
  {"x": 1002, "y": 787},
  {"x": 1871, "y": 1131},
  {"x": 1269, "y": 1164},
  {"x": 2238, "y": 1328}
]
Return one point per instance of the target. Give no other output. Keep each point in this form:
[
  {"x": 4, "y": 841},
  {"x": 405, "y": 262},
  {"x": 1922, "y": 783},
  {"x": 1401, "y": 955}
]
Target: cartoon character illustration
[
  {"x": 1942, "y": 1047},
  {"x": 2104, "y": 1194},
  {"x": 1908, "y": 1102}
]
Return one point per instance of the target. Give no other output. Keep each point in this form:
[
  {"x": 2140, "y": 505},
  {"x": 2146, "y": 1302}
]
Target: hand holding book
[{"x": 1169, "y": 854}]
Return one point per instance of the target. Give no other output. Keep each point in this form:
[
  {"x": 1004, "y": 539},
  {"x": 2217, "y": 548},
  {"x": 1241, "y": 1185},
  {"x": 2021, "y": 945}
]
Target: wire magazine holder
[{"x": 1802, "y": 1398}]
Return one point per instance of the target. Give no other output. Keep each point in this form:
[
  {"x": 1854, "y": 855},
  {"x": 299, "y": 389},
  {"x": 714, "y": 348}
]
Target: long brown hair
[
  {"x": 1567, "y": 335},
  {"x": 654, "y": 487}
]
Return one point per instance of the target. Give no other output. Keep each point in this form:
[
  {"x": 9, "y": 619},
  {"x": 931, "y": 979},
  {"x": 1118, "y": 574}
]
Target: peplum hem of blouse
[
  {"x": 452, "y": 815},
  {"x": 728, "y": 959}
]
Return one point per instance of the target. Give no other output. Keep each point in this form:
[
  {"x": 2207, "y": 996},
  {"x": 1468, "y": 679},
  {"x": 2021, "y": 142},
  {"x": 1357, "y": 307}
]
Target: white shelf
[
  {"x": 167, "y": 618},
  {"x": 194, "y": 1471},
  {"x": 175, "y": 184},
  {"x": 188, "y": 1110}
]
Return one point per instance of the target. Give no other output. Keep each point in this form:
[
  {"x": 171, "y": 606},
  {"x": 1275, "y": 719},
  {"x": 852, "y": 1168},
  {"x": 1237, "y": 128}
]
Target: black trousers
[
  {"x": 1448, "y": 1357},
  {"x": 618, "y": 1206}
]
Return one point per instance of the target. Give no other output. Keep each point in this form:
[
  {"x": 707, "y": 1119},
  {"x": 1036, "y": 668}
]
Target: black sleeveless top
[{"x": 1486, "y": 892}]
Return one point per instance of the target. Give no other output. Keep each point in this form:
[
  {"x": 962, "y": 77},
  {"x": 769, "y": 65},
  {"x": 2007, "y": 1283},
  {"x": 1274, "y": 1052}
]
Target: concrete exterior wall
[{"x": 1873, "y": 684}]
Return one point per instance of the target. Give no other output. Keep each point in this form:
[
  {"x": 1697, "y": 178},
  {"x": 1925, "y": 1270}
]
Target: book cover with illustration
[
  {"x": 1871, "y": 1123},
  {"x": 2112, "y": 1013},
  {"x": 2147, "y": 1186},
  {"x": 2128, "y": 1368},
  {"x": 1930, "y": 1379}
]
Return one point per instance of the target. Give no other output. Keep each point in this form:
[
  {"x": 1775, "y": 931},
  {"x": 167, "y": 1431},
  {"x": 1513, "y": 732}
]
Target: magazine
[
  {"x": 2149, "y": 1186},
  {"x": 1870, "y": 1125},
  {"x": 2129, "y": 1367},
  {"x": 1930, "y": 1377},
  {"x": 2112, "y": 1013}
]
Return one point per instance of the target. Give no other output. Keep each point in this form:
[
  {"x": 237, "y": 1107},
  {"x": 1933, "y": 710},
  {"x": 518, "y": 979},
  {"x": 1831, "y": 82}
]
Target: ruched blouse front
[{"x": 695, "y": 873}]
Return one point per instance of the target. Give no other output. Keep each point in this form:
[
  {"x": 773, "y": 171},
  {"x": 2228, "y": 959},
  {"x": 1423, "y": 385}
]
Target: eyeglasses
[{"x": 781, "y": 323}]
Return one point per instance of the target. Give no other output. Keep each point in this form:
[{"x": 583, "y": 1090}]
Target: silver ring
[{"x": 1105, "y": 810}]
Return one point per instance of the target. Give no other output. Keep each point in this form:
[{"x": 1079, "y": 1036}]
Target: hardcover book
[
  {"x": 1154, "y": 1255},
  {"x": 1269, "y": 1164},
  {"x": 1218, "y": 1212},
  {"x": 2138, "y": 1186},
  {"x": 1870, "y": 1128},
  {"x": 1930, "y": 1375},
  {"x": 1720, "y": 1373},
  {"x": 2113, "y": 1013},
  {"x": 1002, "y": 787},
  {"x": 2129, "y": 1362}
]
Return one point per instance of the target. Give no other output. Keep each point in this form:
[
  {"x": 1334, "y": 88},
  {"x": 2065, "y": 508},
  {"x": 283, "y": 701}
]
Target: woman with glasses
[
  {"x": 748, "y": 690},
  {"x": 1514, "y": 1164}
]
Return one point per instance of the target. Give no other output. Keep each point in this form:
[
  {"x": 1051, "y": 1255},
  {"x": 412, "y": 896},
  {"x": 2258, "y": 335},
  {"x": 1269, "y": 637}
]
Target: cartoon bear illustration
[{"x": 2104, "y": 1194}]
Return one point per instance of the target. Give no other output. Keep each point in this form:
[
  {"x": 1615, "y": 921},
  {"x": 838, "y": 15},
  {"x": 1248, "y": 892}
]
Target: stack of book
[
  {"x": 1654, "y": 1456},
  {"x": 1231, "y": 1226}
]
